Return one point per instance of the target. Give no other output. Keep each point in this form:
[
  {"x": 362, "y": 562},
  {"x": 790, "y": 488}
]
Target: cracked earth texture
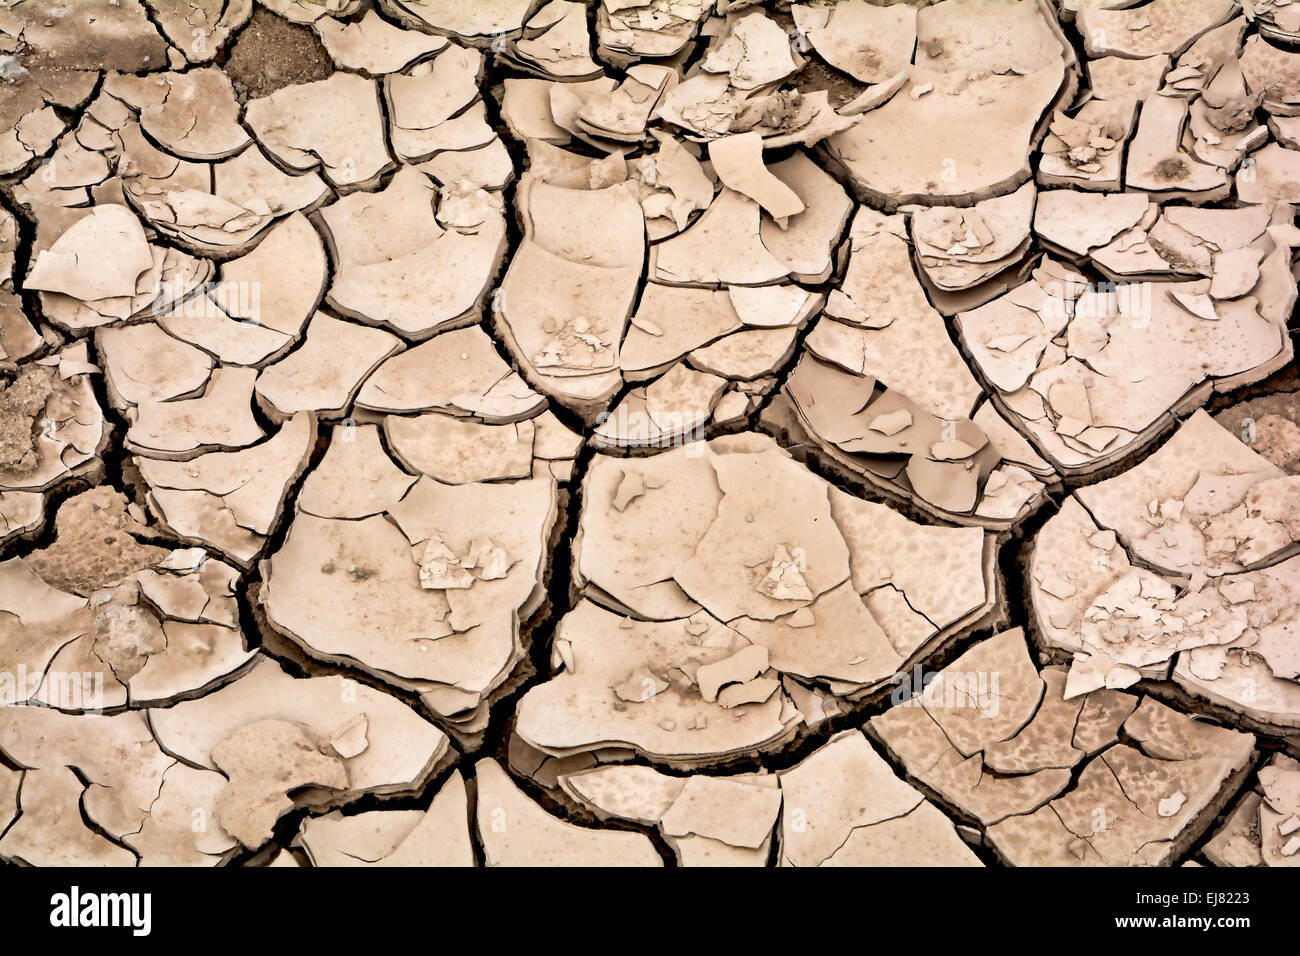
[{"x": 649, "y": 432}]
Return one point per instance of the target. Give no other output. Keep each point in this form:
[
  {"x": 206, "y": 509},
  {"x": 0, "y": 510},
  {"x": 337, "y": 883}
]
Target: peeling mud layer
[{"x": 649, "y": 433}]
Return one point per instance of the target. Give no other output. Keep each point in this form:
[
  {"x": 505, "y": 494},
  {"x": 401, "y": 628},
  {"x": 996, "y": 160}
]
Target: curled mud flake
[
  {"x": 860, "y": 429},
  {"x": 230, "y": 500},
  {"x": 373, "y": 45},
  {"x": 334, "y": 123},
  {"x": 963, "y": 74},
  {"x": 556, "y": 43},
  {"x": 627, "y": 32},
  {"x": 394, "y": 254},
  {"x": 458, "y": 373}
]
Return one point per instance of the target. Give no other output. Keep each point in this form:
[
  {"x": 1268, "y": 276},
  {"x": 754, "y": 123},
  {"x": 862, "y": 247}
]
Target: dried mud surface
[{"x": 649, "y": 433}]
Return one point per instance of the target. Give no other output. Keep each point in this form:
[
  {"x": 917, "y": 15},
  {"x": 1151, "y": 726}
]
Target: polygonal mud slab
[
  {"x": 735, "y": 593},
  {"x": 427, "y": 583}
]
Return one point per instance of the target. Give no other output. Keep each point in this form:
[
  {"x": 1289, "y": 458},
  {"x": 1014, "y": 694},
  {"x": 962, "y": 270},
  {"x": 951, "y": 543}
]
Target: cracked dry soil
[{"x": 649, "y": 432}]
